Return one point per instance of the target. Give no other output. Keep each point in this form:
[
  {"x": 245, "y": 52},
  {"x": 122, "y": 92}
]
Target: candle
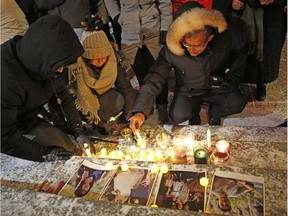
[
  {"x": 154, "y": 168},
  {"x": 164, "y": 169},
  {"x": 126, "y": 133},
  {"x": 133, "y": 148},
  {"x": 87, "y": 150},
  {"x": 128, "y": 157},
  {"x": 200, "y": 155},
  {"x": 208, "y": 138},
  {"x": 180, "y": 154},
  {"x": 158, "y": 154},
  {"x": 223, "y": 145},
  {"x": 120, "y": 154},
  {"x": 113, "y": 155},
  {"x": 103, "y": 152},
  {"x": 124, "y": 167},
  {"x": 204, "y": 181},
  {"x": 219, "y": 156}
]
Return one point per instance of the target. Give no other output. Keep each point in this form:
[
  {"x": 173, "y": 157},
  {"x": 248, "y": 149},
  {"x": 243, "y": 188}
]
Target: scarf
[{"x": 86, "y": 101}]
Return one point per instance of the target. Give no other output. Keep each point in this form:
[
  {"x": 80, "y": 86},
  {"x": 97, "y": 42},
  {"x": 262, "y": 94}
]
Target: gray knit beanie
[{"x": 96, "y": 44}]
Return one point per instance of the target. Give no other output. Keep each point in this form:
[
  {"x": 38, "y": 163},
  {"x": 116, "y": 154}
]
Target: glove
[
  {"x": 58, "y": 153},
  {"x": 218, "y": 84},
  {"x": 85, "y": 143},
  {"x": 163, "y": 37}
]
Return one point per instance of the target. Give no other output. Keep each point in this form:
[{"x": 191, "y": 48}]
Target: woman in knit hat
[{"x": 99, "y": 83}]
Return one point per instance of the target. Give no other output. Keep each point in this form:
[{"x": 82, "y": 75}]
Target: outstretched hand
[
  {"x": 85, "y": 142},
  {"x": 136, "y": 121}
]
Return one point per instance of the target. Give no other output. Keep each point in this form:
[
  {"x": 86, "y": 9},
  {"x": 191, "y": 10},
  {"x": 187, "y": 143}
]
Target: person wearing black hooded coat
[{"x": 29, "y": 79}]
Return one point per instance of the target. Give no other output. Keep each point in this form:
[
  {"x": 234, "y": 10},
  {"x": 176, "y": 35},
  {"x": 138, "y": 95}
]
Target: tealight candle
[
  {"x": 154, "y": 169},
  {"x": 219, "y": 156},
  {"x": 200, "y": 155},
  {"x": 103, "y": 152},
  {"x": 124, "y": 167},
  {"x": 126, "y": 133},
  {"x": 164, "y": 169},
  {"x": 223, "y": 145},
  {"x": 204, "y": 181},
  {"x": 113, "y": 155},
  {"x": 120, "y": 154},
  {"x": 127, "y": 157},
  {"x": 133, "y": 148},
  {"x": 180, "y": 154}
]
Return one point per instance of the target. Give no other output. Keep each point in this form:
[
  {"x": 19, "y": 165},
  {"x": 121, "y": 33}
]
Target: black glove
[
  {"x": 58, "y": 153},
  {"x": 219, "y": 84},
  {"x": 163, "y": 37},
  {"x": 85, "y": 142}
]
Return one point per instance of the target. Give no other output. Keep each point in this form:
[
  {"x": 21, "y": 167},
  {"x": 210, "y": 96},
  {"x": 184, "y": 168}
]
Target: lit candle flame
[
  {"x": 87, "y": 150},
  {"x": 204, "y": 181},
  {"x": 137, "y": 133}
]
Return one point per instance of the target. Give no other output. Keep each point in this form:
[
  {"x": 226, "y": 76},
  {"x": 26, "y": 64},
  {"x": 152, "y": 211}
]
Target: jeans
[
  {"x": 184, "y": 108},
  {"x": 46, "y": 134}
]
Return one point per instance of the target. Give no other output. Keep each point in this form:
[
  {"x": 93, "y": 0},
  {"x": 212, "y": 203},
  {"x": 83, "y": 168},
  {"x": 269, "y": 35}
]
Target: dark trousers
[
  {"x": 142, "y": 63},
  {"x": 184, "y": 108},
  {"x": 46, "y": 134}
]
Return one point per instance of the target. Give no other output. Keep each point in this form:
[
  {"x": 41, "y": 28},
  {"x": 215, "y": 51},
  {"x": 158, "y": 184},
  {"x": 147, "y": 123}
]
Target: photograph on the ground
[
  {"x": 236, "y": 194},
  {"x": 89, "y": 181},
  {"x": 180, "y": 189},
  {"x": 133, "y": 186}
]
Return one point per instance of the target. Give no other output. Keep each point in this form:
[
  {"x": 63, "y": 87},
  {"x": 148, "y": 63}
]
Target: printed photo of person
[
  {"x": 236, "y": 196},
  {"x": 131, "y": 187},
  {"x": 89, "y": 181},
  {"x": 181, "y": 190}
]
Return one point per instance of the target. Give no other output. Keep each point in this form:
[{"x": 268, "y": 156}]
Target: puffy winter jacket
[{"x": 28, "y": 67}]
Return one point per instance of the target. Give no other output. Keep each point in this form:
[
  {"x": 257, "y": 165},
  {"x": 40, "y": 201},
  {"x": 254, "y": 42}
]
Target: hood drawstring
[{"x": 59, "y": 101}]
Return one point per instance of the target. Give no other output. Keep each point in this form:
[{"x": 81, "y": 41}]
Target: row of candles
[{"x": 182, "y": 146}]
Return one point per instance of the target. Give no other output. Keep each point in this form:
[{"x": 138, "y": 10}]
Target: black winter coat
[
  {"x": 28, "y": 67},
  {"x": 192, "y": 73}
]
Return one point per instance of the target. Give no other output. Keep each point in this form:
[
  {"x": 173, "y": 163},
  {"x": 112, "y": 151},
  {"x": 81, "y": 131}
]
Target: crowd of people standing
[{"x": 74, "y": 58}]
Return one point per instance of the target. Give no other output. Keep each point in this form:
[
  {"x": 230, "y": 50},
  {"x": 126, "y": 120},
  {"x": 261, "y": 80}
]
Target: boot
[
  {"x": 162, "y": 113},
  {"x": 195, "y": 120},
  {"x": 261, "y": 92},
  {"x": 215, "y": 121}
]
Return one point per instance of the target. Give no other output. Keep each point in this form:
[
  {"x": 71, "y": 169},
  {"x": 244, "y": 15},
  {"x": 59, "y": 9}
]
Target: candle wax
[{"x": 200, "y": 155}]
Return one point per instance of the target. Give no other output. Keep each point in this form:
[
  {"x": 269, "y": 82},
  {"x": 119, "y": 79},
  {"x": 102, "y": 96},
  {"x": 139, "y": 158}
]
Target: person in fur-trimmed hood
[{"x": 208, "y": 60}]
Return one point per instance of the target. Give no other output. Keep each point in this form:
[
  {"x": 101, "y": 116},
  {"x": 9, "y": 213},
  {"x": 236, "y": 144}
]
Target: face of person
[
  {"x": 224, "y": 203},
  {"x": 86, "y": 185},
  {"x": 197, "y": 43},
  {"x": 60, "y": 70},
  {"x": 99, "y": 62}
]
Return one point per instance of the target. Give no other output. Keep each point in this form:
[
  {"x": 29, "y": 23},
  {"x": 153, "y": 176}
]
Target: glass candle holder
[
  {"x": 180, "y": 154},
  {"x": 218, "y": 157},
  {"x": 200, "y": 155},
  {"x": 126, "y": 133},
  {"x": 223, "y": 145}
]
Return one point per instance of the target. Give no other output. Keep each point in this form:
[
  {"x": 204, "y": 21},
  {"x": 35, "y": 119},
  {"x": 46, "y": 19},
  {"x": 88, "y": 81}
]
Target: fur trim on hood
[{"x": 192, "y": 20}]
